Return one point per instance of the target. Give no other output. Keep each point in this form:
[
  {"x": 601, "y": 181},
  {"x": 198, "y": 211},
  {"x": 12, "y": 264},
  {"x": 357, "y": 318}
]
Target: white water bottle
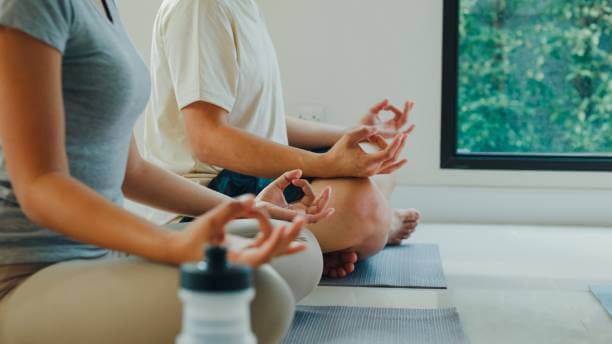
[{"x": 216, "y": 301}]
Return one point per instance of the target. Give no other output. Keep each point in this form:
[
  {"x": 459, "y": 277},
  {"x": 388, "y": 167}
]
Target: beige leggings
[{"x": 132, "y": 301}]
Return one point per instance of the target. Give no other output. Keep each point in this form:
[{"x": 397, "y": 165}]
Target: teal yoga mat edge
[
  {"x": 433, "y": 278},
  {"x": 603, "y": 294}
]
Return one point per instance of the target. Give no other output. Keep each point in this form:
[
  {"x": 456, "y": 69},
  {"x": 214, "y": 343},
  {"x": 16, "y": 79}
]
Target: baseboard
[
  {"x": 487, "y": 206},
  {"x": 508, "y": 206}
]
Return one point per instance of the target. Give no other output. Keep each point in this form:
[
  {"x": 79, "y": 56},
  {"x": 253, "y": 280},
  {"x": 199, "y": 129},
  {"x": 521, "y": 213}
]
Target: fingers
[
  {"x": 309, "y": 196},
  {"x": 288, "y": 244},
  {"x": 380, "y": 106},
  {"x": 322, "y": 202},
  {"x": 283, "y": 214},
  {"x": 210, "y": 227},
  {"x": 319, "y": 210},
  {"x": 280, "y": 242},
  {"x": 400, "y": 117},
  {"x": 213, "y": 222},
  {"x": 379, "y": 141},
  {"x": 408, "y": 106},
  {"x": 273, "y": 193},
  {"x": 398, "y": 150},
  {"x": 264, "y": 251},
  {"x": 361, "y": 134},
  {"x": 392, "y": 167},
  {"x": 316, "y": 210},
  {"x": 372, "y": 116},
  {"x": 265, "y": 226},
  {"x": 410, "y": 129},
  {"x": 317, "y": 217},
  {"x": 285, "y": 180},
  {"x": 387, "y": 153},
  {"x": 392, "y": 152}
]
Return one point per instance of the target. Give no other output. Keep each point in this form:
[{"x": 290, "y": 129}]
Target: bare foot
[
  {"x": 339, "y": 264},
  {"x": 403, "y": 224}
]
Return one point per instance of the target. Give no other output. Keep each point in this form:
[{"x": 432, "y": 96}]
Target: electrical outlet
[{"x": 309, "y": 111}]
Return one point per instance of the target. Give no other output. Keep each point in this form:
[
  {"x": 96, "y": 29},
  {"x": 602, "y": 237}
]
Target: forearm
[
  {"x": 311, "y": 135},
  {"x": 62, "y": 204},
  {"x": 161, "y": 189},
  {"x": 240, "y": 151}
]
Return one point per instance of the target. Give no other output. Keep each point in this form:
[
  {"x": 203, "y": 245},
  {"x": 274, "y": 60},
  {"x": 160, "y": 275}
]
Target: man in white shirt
[{"x": 217, "y": 116}]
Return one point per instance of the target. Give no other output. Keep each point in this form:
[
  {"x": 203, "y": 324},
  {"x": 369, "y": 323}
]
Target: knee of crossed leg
[{"x": 370, "y": 218}]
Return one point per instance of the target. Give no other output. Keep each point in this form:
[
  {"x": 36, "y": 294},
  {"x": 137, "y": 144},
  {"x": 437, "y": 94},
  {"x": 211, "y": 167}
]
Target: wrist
[
  {"x": 171, "y": 247},
  {"x": 319, "y": 165}
]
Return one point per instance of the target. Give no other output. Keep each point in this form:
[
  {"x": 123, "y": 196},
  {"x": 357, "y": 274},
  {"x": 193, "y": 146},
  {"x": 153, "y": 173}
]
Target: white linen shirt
[{"x": 219, "y": 52}]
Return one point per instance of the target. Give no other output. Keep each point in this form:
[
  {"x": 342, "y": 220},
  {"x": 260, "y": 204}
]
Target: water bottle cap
[{"x": 215, "y": 274}]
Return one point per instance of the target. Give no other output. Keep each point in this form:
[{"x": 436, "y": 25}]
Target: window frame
[{"x": 450, "y": 158}]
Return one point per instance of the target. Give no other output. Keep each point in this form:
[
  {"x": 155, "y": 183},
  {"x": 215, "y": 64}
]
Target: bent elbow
[
  {"x": 40, "y": 201},
  {"x": 33, "y": 209},
  {"x": 206, "y": 152}
]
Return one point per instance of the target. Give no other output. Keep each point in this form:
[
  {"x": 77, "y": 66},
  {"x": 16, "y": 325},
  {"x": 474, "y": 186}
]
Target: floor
[{"x": 510, "y": 284}]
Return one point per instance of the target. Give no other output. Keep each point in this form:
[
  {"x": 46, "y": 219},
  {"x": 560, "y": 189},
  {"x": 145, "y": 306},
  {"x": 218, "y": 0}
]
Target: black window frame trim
[{"x": 449, "y": 156}]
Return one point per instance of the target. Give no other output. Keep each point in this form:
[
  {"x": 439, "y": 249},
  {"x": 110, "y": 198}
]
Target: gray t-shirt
[{"x": 105, "y": 86}]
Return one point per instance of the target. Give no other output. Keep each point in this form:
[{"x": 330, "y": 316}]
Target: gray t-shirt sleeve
[{"x": 49, "y": 21}]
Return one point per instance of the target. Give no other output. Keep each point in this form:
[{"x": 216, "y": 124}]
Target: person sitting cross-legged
[{"x": 217, "y": 116}]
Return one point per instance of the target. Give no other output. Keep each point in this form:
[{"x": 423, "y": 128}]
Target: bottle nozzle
[
  {"x": 215, "y": 273},
  {"x": 217, "y": 258}
]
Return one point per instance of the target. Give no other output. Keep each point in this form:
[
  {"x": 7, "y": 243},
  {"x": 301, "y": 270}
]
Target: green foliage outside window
[{"x": 535, "y": 77}]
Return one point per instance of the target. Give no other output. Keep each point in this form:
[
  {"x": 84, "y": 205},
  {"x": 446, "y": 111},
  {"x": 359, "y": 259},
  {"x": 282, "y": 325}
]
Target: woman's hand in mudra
[{"x": 209, "y": 229}]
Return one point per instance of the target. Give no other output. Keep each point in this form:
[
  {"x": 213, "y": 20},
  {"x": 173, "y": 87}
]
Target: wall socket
[{"x": 309, "y": 111}]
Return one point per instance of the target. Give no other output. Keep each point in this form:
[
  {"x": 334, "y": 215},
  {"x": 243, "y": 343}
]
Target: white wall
[
  {"x": 345, "y": 55},
  {"x": 138, "y": 17}
]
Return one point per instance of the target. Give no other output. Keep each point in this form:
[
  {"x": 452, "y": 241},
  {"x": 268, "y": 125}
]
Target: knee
[
  {"x": 369, "y": 212},
  {"x": 273, "y": 307},
  {"x": 302, "y": 271},
  {"x": 371, "y": 219}
]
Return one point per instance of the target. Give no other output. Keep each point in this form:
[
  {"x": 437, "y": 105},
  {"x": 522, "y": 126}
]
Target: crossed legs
[
  {"x": 363, "y": 224},
  {"x": 125, "y": 300},
  {"x": 130, "y": 300}
]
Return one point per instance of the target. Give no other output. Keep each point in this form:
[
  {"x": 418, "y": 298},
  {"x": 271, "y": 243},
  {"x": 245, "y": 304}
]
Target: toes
[
  {"x": 338, "y": 272},
  {"x": 412, "y": 215},
  {"x": 339, "y": 264},
  {"x": 408, "y": 233},
  {"x": 349, "y": 257},
  {"x": 406, "y": 230},
  {"x": 410, "y": 225}
]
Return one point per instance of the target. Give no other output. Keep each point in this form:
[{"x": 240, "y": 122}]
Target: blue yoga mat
[
  {"x": 405, "y": 266},
  {"x": 604, "y": 294},
  {"x": 357, "y": 325}
]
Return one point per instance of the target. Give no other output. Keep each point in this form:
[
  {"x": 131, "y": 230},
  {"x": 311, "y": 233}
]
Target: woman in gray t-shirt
[{"x": 71, "y": 88}]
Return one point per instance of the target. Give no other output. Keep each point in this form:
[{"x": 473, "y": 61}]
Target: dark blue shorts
[{"x": 234, "y": 184}]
